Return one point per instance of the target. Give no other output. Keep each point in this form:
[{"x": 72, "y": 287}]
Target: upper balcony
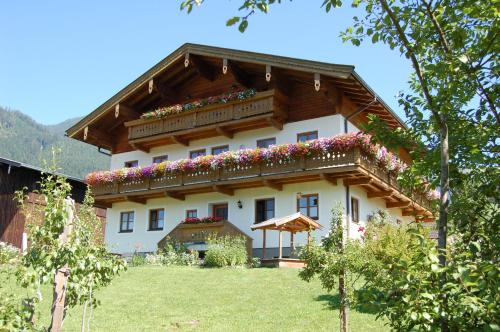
[
  {"x": 348, "y": 157},
  {"x": 264, "y": 109}
]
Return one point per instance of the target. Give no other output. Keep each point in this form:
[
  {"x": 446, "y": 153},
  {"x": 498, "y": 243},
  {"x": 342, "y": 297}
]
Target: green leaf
[
  {"x": 233, "y": 21},
  {"x": 243, "y": 26}
]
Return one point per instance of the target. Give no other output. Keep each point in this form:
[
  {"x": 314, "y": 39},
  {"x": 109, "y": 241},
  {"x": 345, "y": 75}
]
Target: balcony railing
[
  {"x": 318, "y": 163},
  {"x": 263, "y": 103}
]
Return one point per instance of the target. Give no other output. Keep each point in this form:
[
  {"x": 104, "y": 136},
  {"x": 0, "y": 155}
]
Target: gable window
[
  {"x": 132, "y": 163},
  {"x": 126, "y": 222},
  {"x": 156, "y": 219},
  {"x": 266, "y": 142},
  {"x": 264, "y": 209},
  {"x": 192, "y": 214},
  {"x": 197, "y": 153},
  {"x": 309, "y": 205},
  {"x": 220, "y": 210},
  {"x": 354, "y": 209},
  {"x": 308, "y": 136},
  {"x": 160, "y": 159},
  {"x": 219, "y": 149}
]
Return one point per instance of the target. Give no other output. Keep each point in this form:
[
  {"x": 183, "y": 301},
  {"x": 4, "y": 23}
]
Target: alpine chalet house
[{"x": 214, "y": 139}]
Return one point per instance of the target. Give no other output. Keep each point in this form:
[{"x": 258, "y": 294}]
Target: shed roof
[{"x": 296, "y": 222}]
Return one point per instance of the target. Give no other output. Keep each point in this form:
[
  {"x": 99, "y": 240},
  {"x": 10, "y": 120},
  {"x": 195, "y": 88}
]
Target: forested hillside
[{"x": 23, "y": 139}]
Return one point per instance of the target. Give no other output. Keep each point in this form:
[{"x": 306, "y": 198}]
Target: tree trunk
[
  {"x": 443, "y": 209},
  {"x": 343, "y": 310}
]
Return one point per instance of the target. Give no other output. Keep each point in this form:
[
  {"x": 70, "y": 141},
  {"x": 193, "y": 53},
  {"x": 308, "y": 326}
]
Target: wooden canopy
[{"x": 296, "y": 222}]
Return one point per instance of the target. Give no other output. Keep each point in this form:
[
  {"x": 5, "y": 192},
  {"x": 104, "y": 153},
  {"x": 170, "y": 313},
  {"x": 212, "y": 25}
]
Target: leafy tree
[
  {"x": 452, "y": 106},
  {"x": 336, "y": 262},
  {"x": 90, "y": 265}
]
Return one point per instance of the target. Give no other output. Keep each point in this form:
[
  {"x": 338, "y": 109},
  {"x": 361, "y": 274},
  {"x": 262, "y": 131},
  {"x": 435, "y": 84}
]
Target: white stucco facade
[{"x": 143, "y": 240}]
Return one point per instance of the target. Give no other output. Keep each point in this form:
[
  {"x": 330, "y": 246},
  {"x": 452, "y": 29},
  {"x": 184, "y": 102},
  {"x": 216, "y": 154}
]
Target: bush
[
  {"x": 8, "y": 253},
  {"x": 226, "y": 251},
  {"x": 137, "y": 259}
]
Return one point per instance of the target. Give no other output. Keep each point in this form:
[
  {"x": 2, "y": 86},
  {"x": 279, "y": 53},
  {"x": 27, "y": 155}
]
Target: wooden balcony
[
  {"x": 352, "y": 167},
  {"x": 262, "y": 110}
]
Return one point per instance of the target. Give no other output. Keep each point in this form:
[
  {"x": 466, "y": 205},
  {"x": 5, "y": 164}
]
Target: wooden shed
[{"x": 15, "y": 176}]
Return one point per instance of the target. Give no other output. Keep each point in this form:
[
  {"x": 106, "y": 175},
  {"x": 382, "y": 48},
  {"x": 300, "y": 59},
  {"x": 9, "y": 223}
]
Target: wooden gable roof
[{"x": 246, "y": 67}]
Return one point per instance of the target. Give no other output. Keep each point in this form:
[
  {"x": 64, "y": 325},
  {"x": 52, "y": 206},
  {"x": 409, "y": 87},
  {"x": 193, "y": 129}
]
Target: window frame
[
  {"x": 353, "y": 218},
  {"x": 265, "y": 210},
  {"x": 126, "y": 163},
  {"x": 128, "y": 222},
  {"x": 196, "y": 151},
  {"x": 164, "y": 157},
  {"x": 192, "y": 210},
  {"x": 151, "y": 211},
  {"x": 264, "y": 140},
  {"x": 218, "y": 205},
  {"x": 307, "y": 133},
  {"x": 308, "y": 207},
  {"x": 226, "y": 147}
]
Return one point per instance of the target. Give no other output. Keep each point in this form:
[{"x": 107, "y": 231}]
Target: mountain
[{"x": 23, "y": 139}]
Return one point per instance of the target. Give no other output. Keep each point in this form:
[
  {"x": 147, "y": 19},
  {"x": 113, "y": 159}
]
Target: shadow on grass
[{"x": 333, "y": 303}]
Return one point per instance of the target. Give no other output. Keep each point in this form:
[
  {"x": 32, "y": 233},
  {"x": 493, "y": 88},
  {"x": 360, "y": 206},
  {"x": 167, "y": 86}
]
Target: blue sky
[{"x": 62, "y": 59}]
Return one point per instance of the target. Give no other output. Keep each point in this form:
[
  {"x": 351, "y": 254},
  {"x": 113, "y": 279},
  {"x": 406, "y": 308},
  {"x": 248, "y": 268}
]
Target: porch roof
[{"x": 296, "y": 222}]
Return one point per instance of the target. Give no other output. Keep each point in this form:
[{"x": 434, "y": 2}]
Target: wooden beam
[
  {"x": 276, "y": 123},
  {"x": 328, "y": 178},
  {"x": 240, "y": 75},
  {"x": 223, "y": 190},
  {"x": 280, "y": 245},
  {"x": 280, "y": 82},
  {"x": 377, "y": 194},
  {"x": 273, "y": 185},
  {"x": 175, "y": 195},
  {"x": 224, "y": 132},
  {"x": 357, "y": 181},
  {"x": 101, "y": 139},
  {"x": 203, "y": 68},
  {"x": 180, "y": 140},
  {"x": 126, "y": 112},
  {"x": 166, "y": 93},
  {"x": 140, "y": 147},
  {"x": 138, "y": 200},
  {"x": 402, "y": 204}
]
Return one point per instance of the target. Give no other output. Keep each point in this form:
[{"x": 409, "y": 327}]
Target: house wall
[
  {"x": 326, "y": 126},
  {"x": 142, "y": 240}
]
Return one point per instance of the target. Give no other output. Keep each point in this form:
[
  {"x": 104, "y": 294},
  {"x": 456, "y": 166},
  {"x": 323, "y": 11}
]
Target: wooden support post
[
  {"x": 263, "y": 244},
  {"x": 61, "y": 275},
  {"x": 292, "y": 244},
  {"x": 309, "y": 238},
  {"x": 280, "y": 245}
]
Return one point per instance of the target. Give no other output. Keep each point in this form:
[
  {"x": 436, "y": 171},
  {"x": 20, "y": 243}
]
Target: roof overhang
[{"x": 343, "y": 72}]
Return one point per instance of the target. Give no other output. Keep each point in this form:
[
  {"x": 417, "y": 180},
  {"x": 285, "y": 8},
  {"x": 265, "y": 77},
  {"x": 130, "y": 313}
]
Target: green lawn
[{"x": 155, "y": 298}]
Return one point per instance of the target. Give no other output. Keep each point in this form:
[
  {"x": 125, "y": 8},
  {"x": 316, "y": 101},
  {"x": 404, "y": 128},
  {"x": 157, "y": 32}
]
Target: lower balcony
[{"x": 353, "y": 167}]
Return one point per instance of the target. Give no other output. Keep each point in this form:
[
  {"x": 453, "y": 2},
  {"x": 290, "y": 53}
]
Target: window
[
  {"x": 156, "y": 219},
  {"x": 354, "y": 209},
  {"x": 160, "y": 159},
  {"x": 126, "y": 222},
  {"x": 304, "y": 137},
  {"x": 192, "y": 214},
  {"x": 266, "y": 142},
  {"x": 197, "y": 153},
  {"x": 219, "y": 149},
  {"x": 220, "y": 210},
  {"x": 264, "y": 209},
  {"x": 308, "y": 205},
  {"x": 133, "y": 163}
]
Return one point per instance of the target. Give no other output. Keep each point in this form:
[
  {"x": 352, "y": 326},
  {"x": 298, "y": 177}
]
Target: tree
[
  {"x": 79, "y": 254},
  {"x": 453, "y": 103},
  {"x": 336, "y": 262}
]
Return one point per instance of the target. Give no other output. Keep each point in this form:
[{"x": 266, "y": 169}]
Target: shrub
[
  {"x": 137, "y": 259},
  {"x": 226, "y": 251},
  {"x": 8, "y": 253}
]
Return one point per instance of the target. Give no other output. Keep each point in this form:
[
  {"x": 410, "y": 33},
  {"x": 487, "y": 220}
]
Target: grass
[{"x": 154, "y": 298}]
